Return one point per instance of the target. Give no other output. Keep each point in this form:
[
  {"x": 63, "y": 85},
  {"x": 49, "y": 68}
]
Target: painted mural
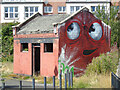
[{"x": 82, "y": 37}]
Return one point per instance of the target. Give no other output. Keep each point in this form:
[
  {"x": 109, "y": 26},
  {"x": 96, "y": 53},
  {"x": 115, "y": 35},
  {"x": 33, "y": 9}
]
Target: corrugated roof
[{"x": 41, "y": 24}]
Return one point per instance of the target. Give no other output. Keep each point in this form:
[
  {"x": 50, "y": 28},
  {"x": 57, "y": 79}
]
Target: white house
[
  {"x": 92, "y": 5},
  {"x": 19, "y": 10}
]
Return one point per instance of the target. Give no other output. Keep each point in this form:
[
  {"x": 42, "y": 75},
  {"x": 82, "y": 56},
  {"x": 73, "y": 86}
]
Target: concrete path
[{"x": 25, "y": 84}]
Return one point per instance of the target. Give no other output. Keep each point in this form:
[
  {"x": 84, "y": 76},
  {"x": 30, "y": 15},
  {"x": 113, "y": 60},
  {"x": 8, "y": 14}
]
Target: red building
[{"x": 46, "y": 44}]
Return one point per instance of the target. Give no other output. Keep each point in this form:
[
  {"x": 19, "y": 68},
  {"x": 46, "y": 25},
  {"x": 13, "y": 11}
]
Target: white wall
[
  {"x": 20, "y": 11},
  {"x": 88, "y": 5}
]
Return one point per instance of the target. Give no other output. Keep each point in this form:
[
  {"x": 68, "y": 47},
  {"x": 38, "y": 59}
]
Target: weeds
[{"x": 103, "y": 64}]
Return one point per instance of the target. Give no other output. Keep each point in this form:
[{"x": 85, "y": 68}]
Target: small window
[
  {"x": 93, "y": 8},
  {"x": 48, "y": 9},
  {"x": 6, "y": 9},
  {"x": 61, "y": 9},
  {"x": 36, "y": 9},
  {"x": 48, "y": 47},
  {"x": 72, "y": 9},
  {"x": 24, "y": 47},
  {"x": 16, "y": 9},
  {"x": 77, "y": 8}
]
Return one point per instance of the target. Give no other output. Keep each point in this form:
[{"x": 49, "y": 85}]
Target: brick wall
[{"x": 54, "y": 6}]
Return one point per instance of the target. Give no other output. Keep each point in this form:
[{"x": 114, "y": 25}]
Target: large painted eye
[
  {"x": 95, "y": 31},
  {"x": 73, "y": 31}
]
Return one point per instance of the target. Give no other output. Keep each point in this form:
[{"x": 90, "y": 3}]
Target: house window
[
  {"x": 48, "y": 9},
  {"x": 10, "y": 12},
  {"x": 97, "y": 8},
  {"x": 24, "y": 46},
  {"x": 77, "y": 8},
  {"x": 93, "y": 8},
  {"x": 61, "y": 9},
  {"x": 74, "y": 8},
  {"x": 30, "y": 11},
  {"x": 48, "y": 47}
]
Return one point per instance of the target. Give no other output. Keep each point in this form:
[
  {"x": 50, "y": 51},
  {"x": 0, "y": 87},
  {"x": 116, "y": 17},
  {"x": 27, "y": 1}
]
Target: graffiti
[
  {"x": 64, "y": 68},
  {"x": 81, "y": 38}
]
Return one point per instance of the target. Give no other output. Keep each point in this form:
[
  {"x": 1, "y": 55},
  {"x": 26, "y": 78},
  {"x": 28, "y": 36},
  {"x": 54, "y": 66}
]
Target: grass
[{"x": 92, "y": 81}]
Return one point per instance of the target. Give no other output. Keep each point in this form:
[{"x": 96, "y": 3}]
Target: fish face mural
[{"x": 81, "y": 38}]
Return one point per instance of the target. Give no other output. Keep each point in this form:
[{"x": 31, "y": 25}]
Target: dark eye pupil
[
  {"x": 91, "y": 29},
  {"x": 70, "y": 27}
]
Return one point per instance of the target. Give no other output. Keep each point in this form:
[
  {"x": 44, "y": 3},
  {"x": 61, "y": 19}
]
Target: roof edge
[
  {"x": 27, "y": 20},
  {"x": 82, "y": 9}
]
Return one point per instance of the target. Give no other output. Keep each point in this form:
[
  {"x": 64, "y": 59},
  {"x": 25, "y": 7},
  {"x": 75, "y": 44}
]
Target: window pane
[
  {"x": 59, "y": 8},
  {"x": 48, "y": 47},
  {"x": 26, "y": 14},
  {"x": 16, "y": 9},
  {"x": 24, "y": 46},
  {"x": 64, "y": 9},
  {"x": 31, "y": 9},
  {"x": 6, "y": 15},
  {"x": 11, "y": 9},
  {"x": 72, "y": 8},
  {"x": 45, "y": 9},
  {"x": 97, "y": 8},
  {"x": 103, "y": 7},
  {"x": 49, "y": 9},
  {"x": 26, "y": 9},
  {"x": 11, "y": 15},
  {"x": 36, "y": 9},
  {"x": 6, "y": 9},
  {"x": 16, "y": 15},
  {"x": 31, "y": 14},
  {"x": 93, "y": 8},
  {"x": 77, "y": 8}
]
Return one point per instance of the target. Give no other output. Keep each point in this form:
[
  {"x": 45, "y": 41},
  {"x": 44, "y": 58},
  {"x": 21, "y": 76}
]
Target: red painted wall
[
  {"x": 49, "y": 61},
  {"x": 77, "y": 47},
  {"x": 23, "y": 60}
]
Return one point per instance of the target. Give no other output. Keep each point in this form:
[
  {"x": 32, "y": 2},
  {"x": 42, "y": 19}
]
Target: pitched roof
[
  {"x": 41, "y": 24},
  {"x": 37, "y": 23}
]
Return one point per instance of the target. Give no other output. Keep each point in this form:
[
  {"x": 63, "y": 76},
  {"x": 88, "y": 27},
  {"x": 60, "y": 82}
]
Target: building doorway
[{"x": 36, "y": 59}]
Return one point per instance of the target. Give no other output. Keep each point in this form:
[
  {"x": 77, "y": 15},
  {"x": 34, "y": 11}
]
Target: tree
[
  {"x": 110, "y": 18},
  {"x": 7, "y": 39}
]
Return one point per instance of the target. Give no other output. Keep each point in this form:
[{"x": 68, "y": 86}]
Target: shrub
[
  {"x": 103, "y": 64},
  {"x": 7, "y": 58},
  {"x": 7, "y": 41}
]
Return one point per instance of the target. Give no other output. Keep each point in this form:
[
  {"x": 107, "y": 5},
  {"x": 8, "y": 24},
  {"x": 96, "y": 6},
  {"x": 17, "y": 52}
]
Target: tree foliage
[
  {"x": 110, "y": 18},
  {"x": 7, "y": 40}
]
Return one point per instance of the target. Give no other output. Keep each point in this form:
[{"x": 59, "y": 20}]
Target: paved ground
[{"x": 25, "y": 84}]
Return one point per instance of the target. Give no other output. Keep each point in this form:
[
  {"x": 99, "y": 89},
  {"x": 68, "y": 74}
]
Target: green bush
[
  {"x": 7, "y": 58},
  {"x": 103, "y": 64},
  {"x": 7, "y": 41}
]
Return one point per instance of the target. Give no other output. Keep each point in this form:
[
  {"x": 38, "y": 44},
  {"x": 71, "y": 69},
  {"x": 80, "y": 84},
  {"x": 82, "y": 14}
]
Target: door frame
[{"x": 33, "y": 58}]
